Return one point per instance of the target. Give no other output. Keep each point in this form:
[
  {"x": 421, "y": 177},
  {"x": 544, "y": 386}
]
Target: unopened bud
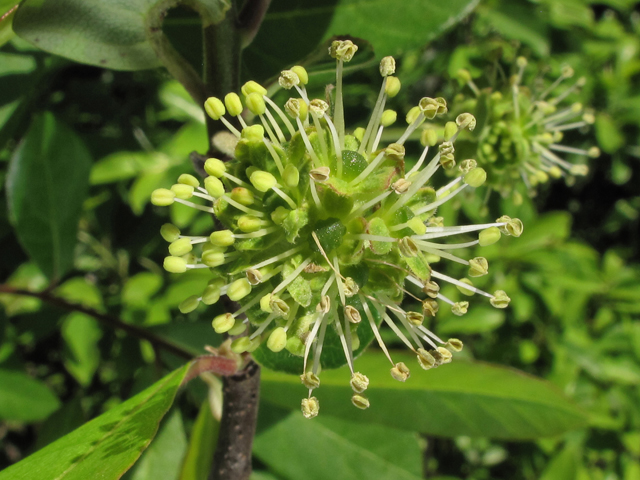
[
  {"x": 214, "y": 186},
  {"x": 253, "y": 87},
  {"x": 291, "y": 176},
  {"x": 233, "y": 103},
  {"x": 214, "y": 108},
  {"x": 302, "y": 74},
  {"x": 428, "y": 137},
  {"x": 263, "y": 181},
  {"x": 388, "y": 118},
  {"x": 175, "y": 264},
  {"x": 255, "y": 103},
  {"x": 223, "y": 323},
  {"x": 170, "y": 232},
  {"x": 189, "y": 304},
  {"x": 162, "y": 197},
  {"x": 277, "y": 340},
  {"x": 450, "y": 129},
  {"x": 253, "y": 133},
  {"x": 215, "y": 167},
  {"x": 180, "y": 247},
  {"x": 222, "y": 238},
  {"x": 489, "y": 236},
  {"x": 392, "y": 87},
  {"x": 239, "y": 289}
]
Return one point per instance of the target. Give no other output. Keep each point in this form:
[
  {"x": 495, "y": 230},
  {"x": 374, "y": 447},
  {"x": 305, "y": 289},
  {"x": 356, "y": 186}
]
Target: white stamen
[
  {"x": 376, "y": 161},
  {"x": 307, "y": 144},
  {"x": 375, "y": 116},
  {"x": 263, "y": 326},
  {"x": 458, "y": 283},
  {"x": 370, "y": 203},
  {"x": 277, "y": 258},
  {"x": 374, "y": 328},
  {"x": 194, "y": 205},
  {"x": 285, "y": 197},
  {"x": 292, "y": 276},
  {"x": 437, "y": 203},
  {"x": 281, "y": 114}
]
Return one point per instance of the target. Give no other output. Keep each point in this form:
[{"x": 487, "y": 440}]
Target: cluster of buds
[
  {"x": 522, "y": 130},
  {"x": 325, "y": 232}
]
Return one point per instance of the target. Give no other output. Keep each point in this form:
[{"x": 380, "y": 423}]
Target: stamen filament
[
  {"x": 376, "y": 161},
  {"x": 274, "y": 155},
  {"x": 439, "y": 202},
  {"x": 370, "y": 203},
  {"x": 194, "y": 205},
  {"x": 277, "y": 258},
  {"x": 231, "y": 128},
  {"x": 285, "y": 197},
  {"x": 458, "y": 283},
  {"x": 374, "y": 328},
  {"x": 307, "y": 144},
  {"x": 263, "y": 326},
  {"x": 291, "y": 277},
  {"x": 281, "y": 114},
  {"x": 375, "y": 115},
  {"x": 258, "y": 233}
]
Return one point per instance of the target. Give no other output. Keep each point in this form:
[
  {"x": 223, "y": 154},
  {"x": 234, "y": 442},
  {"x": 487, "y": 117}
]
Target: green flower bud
[
  {"x": 214, "y": 108},
  {"x": 359, "y": 382},
  {"x": 175, "y": 264},
  {"x": 460, "y": 308},
  {"x": 387, "y": 66},
  {"x": 500, "y": 299},
  {"x": 295, "y": 346},
  {"x": 211, "y": 294},
  {"x": 360, "y": 402},
  {"x": 212, "y": 259},
  {"x": 392, "y": 87},
  {"x": 187, "y": 179},
  {"x": 412, "y": 115},
  {"x": 265, "y": 303},
  {"x": 290, "y": 176},
  {"x": 238, "y": 328},
  {"x": 242, "y": 195},
  {"x": 223, "y": 323},
  {"x": 222, "y": 238},
  {"x": 215, "y": 167},
  {"x": 593, "y": 152},
  {"x": 263, "y": 181},
  {"x": 214, "y": 187},
  {"x": 180, "y": 247},
  {"x": 343, "y": 50},
  {"x": 463, "y": 75},
  {"x": 302, "y": 74},
  {"x": 428, "y": 137},
  {"x": 388, "y": 118},
  {"x": 288, "y": 79},
  {"x": 170, "y": 232},
  {"x": 555, "y": 171},
  {"x": 162, "y": 197},
  {"x": 277, "y": 340},
  {"x": 478, "y": 267},
  {"x": 189, "y": 304},
  {"x": 450, "y": 129},
  {"x": 417, "y": 225},
  {"x": 253, "y": 133},
  {"x": 400, "y": 372},
  {"x": 239, "y": 289},
  {"x": 241, "y": 345},
  {"x": 255, "y": 103},
  {"x": 310, "y": 407},
  {"x": 233, "y": 103},
  {"x": 475, "y": 177},
  {"x": 454, "y": 344},
  {"x": 182, "y": 191},
  {"x": 279, "y": 215},
  {"x": 310, "y": 380},
  {"x": 253, "y": 87},
  {"x": 249, "y": 223},
  {"x": 489, "y": 236}
]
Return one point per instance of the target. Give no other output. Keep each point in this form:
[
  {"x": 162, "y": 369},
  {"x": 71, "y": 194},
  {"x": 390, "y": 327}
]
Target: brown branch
[
  {"x": 232, "y": 458},
  {"x": 108, "y": 320}
]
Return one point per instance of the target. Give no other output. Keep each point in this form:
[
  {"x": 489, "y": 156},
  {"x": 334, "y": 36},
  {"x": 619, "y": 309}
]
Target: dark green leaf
[
  {"x": 24, "y": 399},
  {"x": 46, "y": 185},
  {"x": 108, "y": 444},
  {"x": 462, "y": 398}
]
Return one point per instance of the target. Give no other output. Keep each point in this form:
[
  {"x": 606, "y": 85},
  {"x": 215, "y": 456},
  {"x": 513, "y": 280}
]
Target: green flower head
[
  {"x": 324, "y": 232},
  {"x": 522, "y": 130}
]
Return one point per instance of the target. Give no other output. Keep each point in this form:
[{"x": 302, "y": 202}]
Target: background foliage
[{"x": 86, "y": 133}]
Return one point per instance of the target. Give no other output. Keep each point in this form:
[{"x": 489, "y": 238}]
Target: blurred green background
[{"x": 573, "y": 276}]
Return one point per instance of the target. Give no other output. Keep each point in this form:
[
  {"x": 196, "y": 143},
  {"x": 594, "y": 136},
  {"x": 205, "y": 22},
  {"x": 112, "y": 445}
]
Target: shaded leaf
[
  {"x": 108, "y": 444},
  {"x": 25, "y": 399},
  {"x": 46, "y": 185},
  {"x": 204, "y": 436},
  {"x": 474, "y": 399},
  {"x": 81, "y": 334}
]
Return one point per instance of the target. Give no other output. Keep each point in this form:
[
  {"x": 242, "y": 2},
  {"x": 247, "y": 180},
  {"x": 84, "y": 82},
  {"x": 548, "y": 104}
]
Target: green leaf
[
  {"x": 124, "y": 165},
  {"x": 164, "y": 456},
  {"x": 289, "y": 32},
  {"x": 138, "y": 289},
  {"x": 106, "y": 34},
  {"x": 24, "y": 399},
  {"x": 329, "y": 445},
  {"x": 6, "y": 18},
  {"x": 609, "y": 135},
  {"x": 81, "y": 334},
  {"x": 478, "y": 320},
  {"x": 108, "y": 444},
  {"x": 474, "y": 399},
  {"x": 204, "y": 436},
  {"x": 46, "y": 185}
]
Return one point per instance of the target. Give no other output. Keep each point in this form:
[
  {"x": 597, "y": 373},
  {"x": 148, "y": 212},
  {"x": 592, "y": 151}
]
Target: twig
[
  {"x": 232, "y": 458},
  {"x": 109, "y": 320}
]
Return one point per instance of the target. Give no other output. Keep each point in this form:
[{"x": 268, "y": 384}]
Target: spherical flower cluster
[
  {"x": 323, "y": 232},
  {"x": 522, "y": 130}
]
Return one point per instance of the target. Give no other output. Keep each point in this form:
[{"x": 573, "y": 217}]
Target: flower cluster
[
  {"x": 324, "y": 232},
  {"x": 522, "y": 130}
]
